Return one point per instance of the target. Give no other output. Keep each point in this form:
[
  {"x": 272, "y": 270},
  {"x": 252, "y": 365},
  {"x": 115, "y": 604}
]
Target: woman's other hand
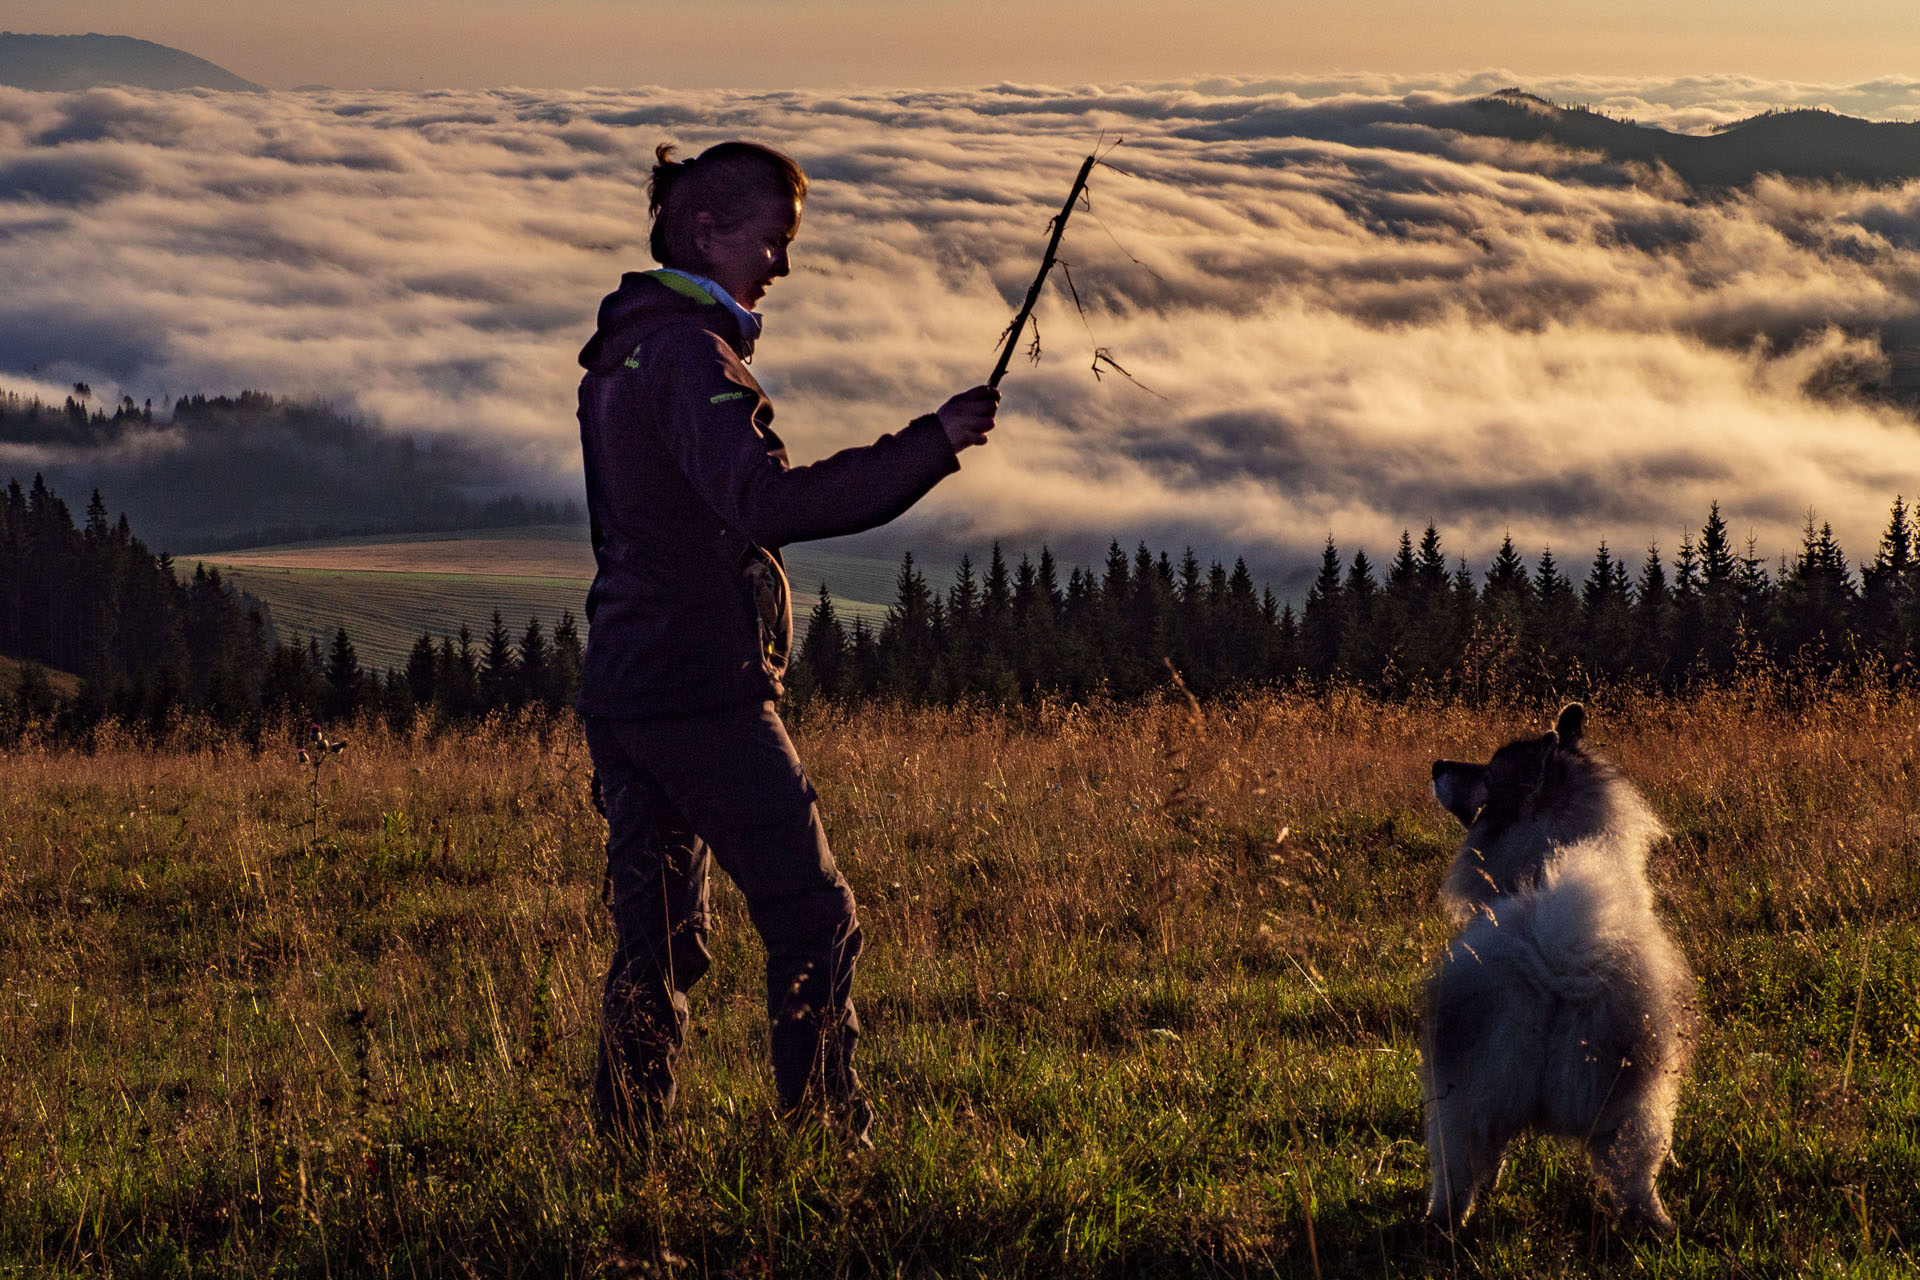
[{"x": 969, "y": 416}]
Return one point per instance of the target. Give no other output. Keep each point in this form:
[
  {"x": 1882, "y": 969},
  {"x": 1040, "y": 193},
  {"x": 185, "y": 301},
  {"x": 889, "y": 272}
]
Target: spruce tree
[
  {"x": 960, "y": 652},
  {"x": 457, "y": 676},
  {"x": 1651, "y": 652},
  {"x": 1400, "y": 610},
  {"x": 1081, "y": 670},
  {"x": 907, "y": 642},
  {"x": 996, "y": 606},
  {"x": 396, "y": 700},
  {"x": 1606, "y": 618},
  {"x": 1688, "y": 617},
  {"x": 533, "y": 669},
  {"x": 1036, "y": 627},
  {"x": 1245, "y": 640},
  {"x": 1147, "y": 611},
  {"x": 823, "y": 654},
  {"x": 1507, "y": 599},
  {"x": 863, "y": 659},
  {"x": 1887, "y": 593},
  {"x": 344, "y": 680},
  {"x": 1323, "y": 621},
  {"x": 498, "y": 687},
  {"x": 1047, "y": 572},
  {"x": 1361, "y": 656},
  {"x": 567, "y": 659},
  {"x": 1554, "y": 633},
  {"x": 1718, "y": 563},
  {"x": 420, "y": 671},
  {"x": 1720, "y": 604},
  {"x": 1284, "y": 663},
  {"x": 1436, "y": 635},
  {"x": 1816, "y": 603}
]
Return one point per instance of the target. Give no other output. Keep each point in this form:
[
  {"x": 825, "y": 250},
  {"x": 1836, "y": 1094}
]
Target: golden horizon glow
[{"x": 773, "y": 44}]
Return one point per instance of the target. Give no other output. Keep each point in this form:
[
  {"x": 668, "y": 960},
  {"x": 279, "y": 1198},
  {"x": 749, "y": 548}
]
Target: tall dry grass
[{"x": 1139, "y": 998}]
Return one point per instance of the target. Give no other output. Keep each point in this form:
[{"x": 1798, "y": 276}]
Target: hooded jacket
[{"x": 691, "y": 498}]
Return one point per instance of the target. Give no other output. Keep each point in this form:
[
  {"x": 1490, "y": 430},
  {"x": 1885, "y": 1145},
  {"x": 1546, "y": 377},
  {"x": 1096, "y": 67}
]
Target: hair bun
[{"x": 666, "y": 172}]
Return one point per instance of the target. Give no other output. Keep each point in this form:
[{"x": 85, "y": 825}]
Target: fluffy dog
[{"x": 1562, "y": 1007}]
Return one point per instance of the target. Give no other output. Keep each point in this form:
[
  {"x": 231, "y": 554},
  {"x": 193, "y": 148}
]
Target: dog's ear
[
  {"x": 1572, "y": 723},
  {"x": 1460, "y": 788}
]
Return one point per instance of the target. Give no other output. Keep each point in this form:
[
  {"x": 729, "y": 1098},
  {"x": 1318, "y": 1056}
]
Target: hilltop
[
  {"x": 1805, "y": 143},
  {"x": 84, "y": 62}
]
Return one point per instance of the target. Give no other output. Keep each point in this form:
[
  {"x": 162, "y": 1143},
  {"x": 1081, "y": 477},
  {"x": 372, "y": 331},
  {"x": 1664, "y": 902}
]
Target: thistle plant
[{"x": 319, "y": 749}]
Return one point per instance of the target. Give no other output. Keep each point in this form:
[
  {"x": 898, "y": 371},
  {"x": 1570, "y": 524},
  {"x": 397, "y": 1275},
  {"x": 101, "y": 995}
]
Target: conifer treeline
[
  {"x": 454, "y": 680},
  {"x": 1421, "y": 622},
  {"x": 93, "y": 599},
  {"x": 30, "y": 421},
  {"x": 96, "y": 601}
]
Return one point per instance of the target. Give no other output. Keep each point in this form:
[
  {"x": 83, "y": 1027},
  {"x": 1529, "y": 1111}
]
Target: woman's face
[{"x": 749, "y": 258}]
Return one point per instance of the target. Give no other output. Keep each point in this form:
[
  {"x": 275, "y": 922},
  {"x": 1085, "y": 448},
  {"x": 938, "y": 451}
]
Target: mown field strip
[
  {"x": 550, "y": 552},
  {"x": 384, "y": 613},
  {"x": 554, "y": 558}
]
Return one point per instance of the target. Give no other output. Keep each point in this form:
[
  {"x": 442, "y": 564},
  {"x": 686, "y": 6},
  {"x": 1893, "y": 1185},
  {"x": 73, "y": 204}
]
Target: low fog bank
[{"x": 1354, "y": 313}]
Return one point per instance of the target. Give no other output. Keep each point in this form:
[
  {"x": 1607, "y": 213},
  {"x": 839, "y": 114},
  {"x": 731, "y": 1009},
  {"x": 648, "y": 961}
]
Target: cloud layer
[{"x": 1352, "y": 316}]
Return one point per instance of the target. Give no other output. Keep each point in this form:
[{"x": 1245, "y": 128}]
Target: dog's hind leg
[
  {"x": 1481, "y": 1079},
  {"x": 1464, "y": 1156},
  {"x": 1628, "y": 1160}
]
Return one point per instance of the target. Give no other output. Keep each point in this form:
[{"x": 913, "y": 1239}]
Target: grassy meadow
[
  {"x": 1139, "y": 999},
  {"x": 386, "y": 589}
]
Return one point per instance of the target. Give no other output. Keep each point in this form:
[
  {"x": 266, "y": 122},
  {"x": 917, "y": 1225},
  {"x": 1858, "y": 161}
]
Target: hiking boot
[{"x": 847, "y": 1121}]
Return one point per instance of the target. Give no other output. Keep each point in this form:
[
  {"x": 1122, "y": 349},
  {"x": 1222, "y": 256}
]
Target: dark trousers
[{"x": 726, "y": 784}]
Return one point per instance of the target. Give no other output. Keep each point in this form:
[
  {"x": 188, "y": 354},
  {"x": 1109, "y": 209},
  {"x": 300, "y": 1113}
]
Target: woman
[{"x": 691, "y": 498}]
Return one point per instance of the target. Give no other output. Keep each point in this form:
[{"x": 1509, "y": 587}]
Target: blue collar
[{"x": 750, "y": 321}]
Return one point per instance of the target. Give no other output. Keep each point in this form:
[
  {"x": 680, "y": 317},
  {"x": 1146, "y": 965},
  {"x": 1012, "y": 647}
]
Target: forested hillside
[
  {"x": 1806, "y": 143},
  {"x": 200, "y": 472},
  {"x": 95, "y": 600}
]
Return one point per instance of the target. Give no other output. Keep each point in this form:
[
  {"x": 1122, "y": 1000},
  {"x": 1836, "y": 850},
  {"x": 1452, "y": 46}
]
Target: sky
[
  {"x": 1349, "y": 318},
  {"x": 1344, "y": 316},
  {"x": 785, "y": 44}
]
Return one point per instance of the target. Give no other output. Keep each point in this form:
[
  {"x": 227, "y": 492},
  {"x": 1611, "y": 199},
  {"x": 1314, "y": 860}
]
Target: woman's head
[{"x": 728, "y": 213}]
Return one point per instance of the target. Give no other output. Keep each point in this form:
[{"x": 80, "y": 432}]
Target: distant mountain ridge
[
  {"x": 65, "y": 63},
  {"x": 1806, "y": 143}
]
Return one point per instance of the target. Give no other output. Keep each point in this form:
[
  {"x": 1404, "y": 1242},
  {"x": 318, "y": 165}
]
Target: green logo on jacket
[{"x": 725, "y": 396}]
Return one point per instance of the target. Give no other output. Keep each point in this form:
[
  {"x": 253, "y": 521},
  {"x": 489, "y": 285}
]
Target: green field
[
  {"x": 1139, "y": 998},
  {"x": 385, "y": 613},
  {"x": 386, "y": 590}
]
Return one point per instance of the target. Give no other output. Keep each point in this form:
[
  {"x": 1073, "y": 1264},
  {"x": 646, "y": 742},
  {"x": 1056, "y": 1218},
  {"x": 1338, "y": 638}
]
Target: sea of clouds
[{"x": 1352, "y": 318}]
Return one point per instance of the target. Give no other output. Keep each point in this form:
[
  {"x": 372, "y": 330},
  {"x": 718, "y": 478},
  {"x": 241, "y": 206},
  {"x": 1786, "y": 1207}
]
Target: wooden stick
[{"x": 1046, "y": 265}]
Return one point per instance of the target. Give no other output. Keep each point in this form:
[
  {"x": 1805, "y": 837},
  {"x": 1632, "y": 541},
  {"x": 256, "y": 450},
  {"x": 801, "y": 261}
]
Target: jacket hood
[{"x": 650, "y": 300}]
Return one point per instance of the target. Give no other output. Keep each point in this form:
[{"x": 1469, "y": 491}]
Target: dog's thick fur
[{"x": 1562, "y": 1007}]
